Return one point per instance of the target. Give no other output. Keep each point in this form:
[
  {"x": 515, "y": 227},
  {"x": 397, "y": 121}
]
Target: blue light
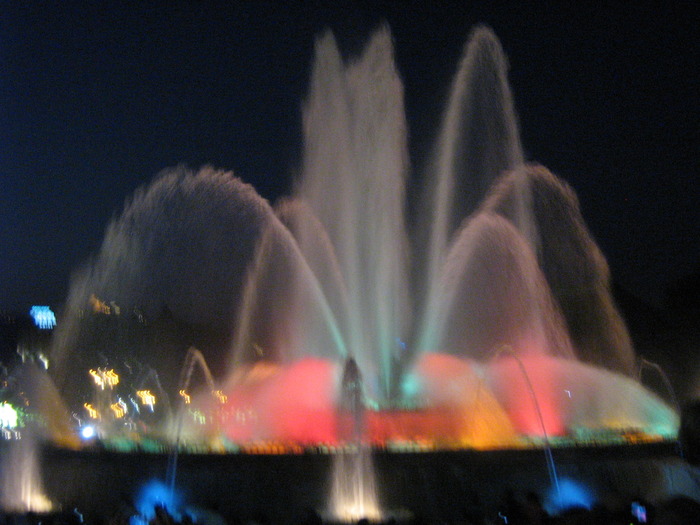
[
  {"x": 155, "y": 493},
  {"x": 43, "y": 317},
  {"x": 639, "y": 511},
  {"x": 569, "y": 496}
]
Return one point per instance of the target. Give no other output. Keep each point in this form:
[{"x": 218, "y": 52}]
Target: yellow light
[
  {"x": 186, "y": 397},
  {"x": 111, "y": 378},
  {"x": 104, "y": 378},
  {"x": 118, "y": 408},
  {"x": 146, "y": 398},
  {"x": 99, "y": 381},
  {"x": 220, "y": 396},
  {"x": 92, "y": 413},
  {"x": 99, "y": 307}
]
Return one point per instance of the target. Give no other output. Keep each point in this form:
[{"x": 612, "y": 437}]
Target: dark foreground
[{"x": 428, "y": 487}]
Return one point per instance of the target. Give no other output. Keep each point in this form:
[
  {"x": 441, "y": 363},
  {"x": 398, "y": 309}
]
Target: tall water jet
[
  {"x": 478, "y": 140},
  {"x": 46, "y": 419},
  {"x": 20, "y": 479},
  {"x": 354, "y": 494},
  {"x": 353, "y": 179}
]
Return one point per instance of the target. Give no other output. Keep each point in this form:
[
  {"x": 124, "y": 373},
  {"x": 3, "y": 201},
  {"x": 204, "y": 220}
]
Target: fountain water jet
[
  {"x": 575, "y": 269},
  {"x": 325, "y": 275},
  {"x": 353, "y": 180},
  {"x": 327, "y": 270},
  {"x": 353, "y": 492},
  {"x": 282, "y": 294},
  {"x": 193, "y": 358},
  {"x": 22, "y": 489},
  {"x": 551, "y": 467},
  {"x": 20, "y": 467},
  {"x": 175, "y": 262},
  {"x": 479, "y": 139}
]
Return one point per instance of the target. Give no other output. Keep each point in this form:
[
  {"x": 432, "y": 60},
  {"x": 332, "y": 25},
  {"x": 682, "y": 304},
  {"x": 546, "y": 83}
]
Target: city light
[
  {"x": 104, "y": 378},
  {"x": 92, "y": 413},
  {"x": 186, "y": 397},
  {"x": 147, "y": 398},
  {"x": 218, "y": 394},
  {"x": 43, "y": 317},
  {"x": 119, "y": 409},
  {"x": 8, "y": 416},
  {"x": 99, "y": 307}
]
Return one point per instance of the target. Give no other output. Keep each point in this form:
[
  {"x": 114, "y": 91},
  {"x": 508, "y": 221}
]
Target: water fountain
[
  {"x": 194, "y": 357},
  {"x": 314, "y": 293},
  {"x": 29, "y": 387},
  {"x": 520, "y": 271},
  {"x": 353, "y": 492},
  {"x": 21, "y": 477}
]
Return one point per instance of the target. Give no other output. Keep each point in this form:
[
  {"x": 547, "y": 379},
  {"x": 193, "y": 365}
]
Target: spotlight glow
[
  {"x": 155, "y": 494},
  {"x": 570, "y": 495},
  {"x": 87, "y": 432}
]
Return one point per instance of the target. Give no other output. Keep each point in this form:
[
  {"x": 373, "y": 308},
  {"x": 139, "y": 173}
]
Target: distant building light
[
  {"x": 147, "y": 398},
  {"x": 98, "y": 306},
  {"x": 218, "y": 394},
  {"x": 44, "y": 360},
  {"x": 118, "y": 408},
  {"x": 104, "y": 378},
  {"x": 43, "y": 317},
  {"x": 186, "y": 397},
  {"x": 91, "y": 411},
  {"x": 8, "y": 416}
]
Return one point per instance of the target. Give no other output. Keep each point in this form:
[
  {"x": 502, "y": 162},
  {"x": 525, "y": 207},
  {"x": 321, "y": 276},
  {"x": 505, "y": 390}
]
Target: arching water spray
[
  {"x": 192, "y": 358},
  {"x": 645, "y": 364},
  {"x": 549, "y": 458},
  {"x": 479, "y": 139},
  {"x": 280, "y": 269}
]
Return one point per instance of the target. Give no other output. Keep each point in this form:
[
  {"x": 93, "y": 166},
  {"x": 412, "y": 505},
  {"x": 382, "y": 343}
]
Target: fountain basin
[{"x": 283, "y": 487}]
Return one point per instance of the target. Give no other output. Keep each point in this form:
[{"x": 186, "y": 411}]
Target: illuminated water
[
  {"x": 499, "y": 264},
  {"x": 507, "y": 262},
  {"x": 353, "y": 491},
  {"x": 22, "y": 488},
  {"x": 478, "y": 141},
  {"x": 21, "y": 437}
]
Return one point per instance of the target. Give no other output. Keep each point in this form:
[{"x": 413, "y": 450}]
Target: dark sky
[{"x": 95, "y": 100}]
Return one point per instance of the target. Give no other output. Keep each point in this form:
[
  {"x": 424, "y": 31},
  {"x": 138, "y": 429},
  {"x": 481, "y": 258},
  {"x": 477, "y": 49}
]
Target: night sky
[{"x": 95, "y": 101}]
